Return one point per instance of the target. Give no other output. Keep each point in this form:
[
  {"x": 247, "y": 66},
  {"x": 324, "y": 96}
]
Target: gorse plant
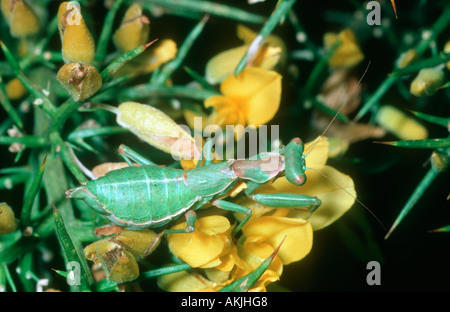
[{"x": 83, "y": 83}]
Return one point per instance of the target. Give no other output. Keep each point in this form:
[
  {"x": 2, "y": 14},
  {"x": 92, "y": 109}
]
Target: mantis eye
[{"x": 294, "y": 162}]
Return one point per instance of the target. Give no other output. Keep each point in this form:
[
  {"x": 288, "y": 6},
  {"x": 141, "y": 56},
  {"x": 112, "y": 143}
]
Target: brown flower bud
[{"x": 82, "y": 81}]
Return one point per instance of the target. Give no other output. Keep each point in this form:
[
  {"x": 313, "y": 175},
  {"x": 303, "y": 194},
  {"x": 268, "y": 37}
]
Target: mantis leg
[
  {"x": 282, "y": 200},
  {"x": 222, "y": 204},
  {"x": 191, "y": 217},
  {"x": 287, "y": 200},
  {"x": 130, "y": 155},
  {"x": 207, "y": 150}
]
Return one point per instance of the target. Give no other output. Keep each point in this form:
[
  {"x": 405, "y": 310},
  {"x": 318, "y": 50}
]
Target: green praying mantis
[{"x": 150, "y": 196}]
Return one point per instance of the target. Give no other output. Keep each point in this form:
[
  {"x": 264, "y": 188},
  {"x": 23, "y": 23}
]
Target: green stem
[
  {"x": 205, "y": 7},
  {"x": 420, "y": 189},
  {"x": 25, "y": 216},
  {"x": 30, "y": 141},
  {"x": 173, "y": 65},
  {"x": 67, "y": 157},
  {"x": 435, "y": 31},
  {"x": 375, "y": 98},
  {"x": 146, "y": 90},
  {"x": 6, "y": 103},
  {"x": 115, "y": 65},
  {"x": 35, "y": 91},
  {"x": 278, "y": 15},
  {"x": 105, "y": 34}
]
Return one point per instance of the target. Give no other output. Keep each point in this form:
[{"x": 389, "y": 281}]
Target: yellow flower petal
[
  {"x": 258, "y": 92},
  {"x": 348, "y": 54},
  {"x": 272, "y": 230},
  {"x": 317, "y": 153},
  {"x": 272, "y": 43},
  {"x": 335, "y": 201},
  {"x": 255, "y": 250},
  {"x": 223, "y": 64},
  {"x": 183, "y": 281},
  {"x": 203, "y": 247}
]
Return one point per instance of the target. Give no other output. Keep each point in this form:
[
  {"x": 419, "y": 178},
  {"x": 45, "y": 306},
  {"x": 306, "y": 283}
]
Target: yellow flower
[
  {"x": 251, "y": 98},
  {"x": 267, "y": 232},
  {"x": 268, "y": 56},
  {"x": 348, "y": 54},
  {"x": 209, "y": 246}
]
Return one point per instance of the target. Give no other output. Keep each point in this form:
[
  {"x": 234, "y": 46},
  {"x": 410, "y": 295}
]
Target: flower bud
[
  {"x": 82, "y": 81},
  {"x": 447, "y": 50},
  {"x": 8, "y": 223},
  {"x": 403, "y": 126},
  {"x": 427, "y": 82},
  {"x": 406, "y": 58},
  {"x": 77, "y": 42},
  {"x": 20, "y": 17},
  {"x": 119, "y": 265},
  {"x": 15, "y": 89},
  {"x": 133, "y": 31},
  {"x": 157, "y": 129},
  {"x": 138, "y": 242},
  {"x": 439, "y": 161}
]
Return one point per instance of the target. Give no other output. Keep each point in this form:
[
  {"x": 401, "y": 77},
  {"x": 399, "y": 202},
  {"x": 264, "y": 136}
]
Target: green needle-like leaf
[
  {"x": 277, "y": 16},
  {"x": 25, "y": 216},
  {"x": 428, "y": 143},
  {"x": 38, "y": 94},
  {"x": 415, "y": 196},
  {"x": 205, "y": 7},
  {"x": 431, "y": 62},
  {"x": 115, "y": 65},
  {"x": 71, "y": 252},
  {"x": 6, "y": 103},
  {"x": 105, "y": 35},
  {"x": 442, "y": 121},
  {"x": 173, "y": 65}
]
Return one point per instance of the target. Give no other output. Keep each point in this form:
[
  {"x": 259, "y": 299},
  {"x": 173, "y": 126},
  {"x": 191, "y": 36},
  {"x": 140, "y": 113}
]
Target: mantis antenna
[
  {"x": 338, "y": 112},
  {"x": 367, "y": 208},
  {"x": 321, "y": 136}
]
